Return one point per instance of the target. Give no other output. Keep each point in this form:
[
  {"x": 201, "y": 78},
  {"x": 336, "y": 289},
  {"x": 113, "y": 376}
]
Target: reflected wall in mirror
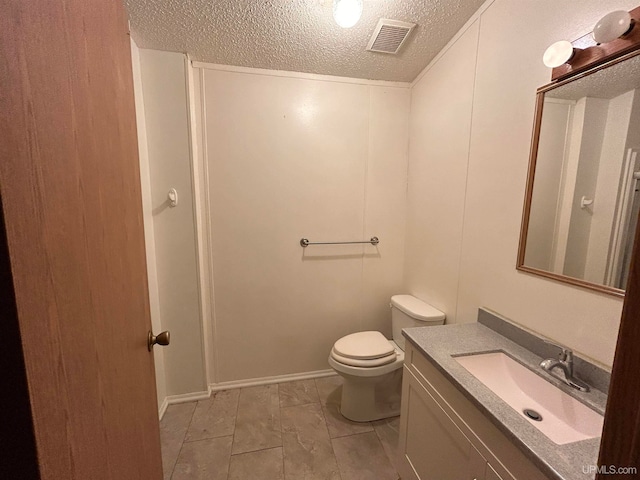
[{"x": 582, "y": 199}]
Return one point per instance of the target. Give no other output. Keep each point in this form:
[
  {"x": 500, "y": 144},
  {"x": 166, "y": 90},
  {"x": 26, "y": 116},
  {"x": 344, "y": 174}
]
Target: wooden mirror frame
[{"x": 585, "y": 62}]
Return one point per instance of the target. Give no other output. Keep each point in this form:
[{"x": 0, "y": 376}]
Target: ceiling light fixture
[
  {"x": 612, "y": 26},
  {"x": 347, "y": 12}
]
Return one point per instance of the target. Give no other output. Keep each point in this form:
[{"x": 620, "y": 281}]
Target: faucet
[{"x": 564, "y": 363}]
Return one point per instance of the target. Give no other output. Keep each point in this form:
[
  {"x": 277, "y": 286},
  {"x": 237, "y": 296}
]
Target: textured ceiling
[
  {"x": 297, "y": 35},
  {"x": 607, "y": 83}
]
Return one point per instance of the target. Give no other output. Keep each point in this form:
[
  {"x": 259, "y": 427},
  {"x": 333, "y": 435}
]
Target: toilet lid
[
  {"x": 355, "y": 362},
  {"x": 363, "y": 346}
]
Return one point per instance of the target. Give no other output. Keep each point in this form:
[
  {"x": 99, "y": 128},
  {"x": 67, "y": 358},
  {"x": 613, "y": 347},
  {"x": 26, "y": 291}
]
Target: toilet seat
[
  {"x": 364, "y": 349},
  {"x": 369, "y": 371},
  {"x": 376, "y": 362},
  {"x": 363, "y": 346}
]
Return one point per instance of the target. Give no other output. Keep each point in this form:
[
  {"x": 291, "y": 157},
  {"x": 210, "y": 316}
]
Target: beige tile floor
[{"x": 288, "y": 431}]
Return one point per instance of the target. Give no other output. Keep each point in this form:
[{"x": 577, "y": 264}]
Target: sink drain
[{"x": 532, "y": 414}]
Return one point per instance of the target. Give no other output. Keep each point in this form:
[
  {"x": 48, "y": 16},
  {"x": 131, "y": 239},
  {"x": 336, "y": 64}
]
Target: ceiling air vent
[{"x": 389, "y": 36}]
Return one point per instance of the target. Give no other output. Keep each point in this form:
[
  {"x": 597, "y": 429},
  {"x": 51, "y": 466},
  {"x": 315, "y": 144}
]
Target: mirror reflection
[{"x": 585, "y": 201}]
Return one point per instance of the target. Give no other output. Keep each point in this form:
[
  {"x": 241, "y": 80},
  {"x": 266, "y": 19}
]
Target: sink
[{"x": 558, "y": 415}]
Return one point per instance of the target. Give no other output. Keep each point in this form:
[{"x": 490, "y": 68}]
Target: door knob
[{"x": 160, "y": 339}]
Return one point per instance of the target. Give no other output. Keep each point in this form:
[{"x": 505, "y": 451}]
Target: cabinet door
[
  {"x": 491, "y": 474},
  {"x": 433, "y": 447}
]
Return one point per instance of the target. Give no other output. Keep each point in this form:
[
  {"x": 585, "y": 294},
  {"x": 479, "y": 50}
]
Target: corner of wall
[
  {"x": 143, "y": 153},
  {"x": 167, "y": 115}
]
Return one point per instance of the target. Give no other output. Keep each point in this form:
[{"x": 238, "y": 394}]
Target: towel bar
[{"x": 304, "y": 242}]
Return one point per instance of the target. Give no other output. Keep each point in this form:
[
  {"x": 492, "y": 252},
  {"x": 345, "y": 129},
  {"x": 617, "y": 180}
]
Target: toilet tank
[{"x": 409, "y": 311}]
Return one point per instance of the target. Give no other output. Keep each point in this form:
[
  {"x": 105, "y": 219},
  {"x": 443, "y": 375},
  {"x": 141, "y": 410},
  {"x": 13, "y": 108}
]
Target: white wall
[
  {"x": 545, "y": 199},
  {"x": 633, "y": 135},
  {"x": 440, "y": 125},
  {"x": 292, "y": 156},
  {"x": 610, "y": 169},
  {"x": 633, "y": 142},
  {"x": 589, "y": 121},
  {"x": 149, "y": 240},
  {"x": 484, "y": 232},
  {"x": 168, "y": 143}
]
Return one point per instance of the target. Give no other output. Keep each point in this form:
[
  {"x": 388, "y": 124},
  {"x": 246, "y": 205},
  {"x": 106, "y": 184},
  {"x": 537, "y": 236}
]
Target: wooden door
[{"x": 70, "y": 189}]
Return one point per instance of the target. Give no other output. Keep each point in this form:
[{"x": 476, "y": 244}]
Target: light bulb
[
  {"x": 558, "y": 54},
  {"x": 347, "y": 12},
  {"x": 612, "y": 26}
]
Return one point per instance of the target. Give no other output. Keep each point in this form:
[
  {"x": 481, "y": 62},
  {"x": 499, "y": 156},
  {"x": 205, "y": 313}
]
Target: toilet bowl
[{"x": 371, "y": 365}]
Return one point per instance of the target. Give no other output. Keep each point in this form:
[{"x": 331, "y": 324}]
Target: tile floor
[{"x": 288, "y": 431}]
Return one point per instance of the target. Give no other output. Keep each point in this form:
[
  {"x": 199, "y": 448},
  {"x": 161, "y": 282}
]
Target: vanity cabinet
[
  {"x": 443, "y": 436},
  {"x": 435, "y": 447},
  {"x": 490, "y": 473}
]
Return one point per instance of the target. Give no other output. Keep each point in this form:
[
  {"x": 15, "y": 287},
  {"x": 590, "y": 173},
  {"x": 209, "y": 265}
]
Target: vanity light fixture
[
  {"x": 614, "y": 36},
  {"x": 613, "y": 25},
  {"x": 347, "y": 12},
  {"x": 558, "y": 54}
]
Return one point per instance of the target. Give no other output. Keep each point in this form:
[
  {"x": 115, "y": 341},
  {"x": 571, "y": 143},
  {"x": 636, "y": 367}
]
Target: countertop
[{"x": 440, "y": 344}]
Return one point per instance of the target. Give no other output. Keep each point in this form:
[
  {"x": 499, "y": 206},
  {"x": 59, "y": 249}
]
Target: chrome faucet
[{"x": 564, "y": 363}]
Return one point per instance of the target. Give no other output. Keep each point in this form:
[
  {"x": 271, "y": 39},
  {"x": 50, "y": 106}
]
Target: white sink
[{"x": 564, "y": 419}]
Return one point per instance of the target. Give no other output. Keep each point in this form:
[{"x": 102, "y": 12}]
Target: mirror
[{"x": 582, "y": 198}]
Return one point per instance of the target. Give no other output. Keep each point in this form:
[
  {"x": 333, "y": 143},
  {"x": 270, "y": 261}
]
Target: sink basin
[{"x": 563, "y": 418}]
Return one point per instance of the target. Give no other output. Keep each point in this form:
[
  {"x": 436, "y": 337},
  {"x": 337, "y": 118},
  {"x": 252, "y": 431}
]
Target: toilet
[{"x": 371, "y": 365}]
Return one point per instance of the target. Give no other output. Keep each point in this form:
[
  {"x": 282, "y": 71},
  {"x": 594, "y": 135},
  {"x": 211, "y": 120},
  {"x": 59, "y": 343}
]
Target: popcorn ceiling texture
[{"x": 297, "y": 35}]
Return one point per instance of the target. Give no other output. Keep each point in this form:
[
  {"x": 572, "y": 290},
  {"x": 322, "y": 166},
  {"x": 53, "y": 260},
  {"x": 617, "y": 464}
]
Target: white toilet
[{"x": 371, "y": 365}]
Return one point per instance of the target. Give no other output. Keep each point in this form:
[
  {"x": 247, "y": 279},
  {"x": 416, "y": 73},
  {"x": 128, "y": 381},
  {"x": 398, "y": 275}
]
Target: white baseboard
[
  {"x": 163, "y": 408},
  {"x": 188, "y": 397},
  {"x": 253, "y": 382},
  {"x": 183, "y": 398}
]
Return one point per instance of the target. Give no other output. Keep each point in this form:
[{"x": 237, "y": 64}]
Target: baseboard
[
  {"x": 163, "y": 408},
  {"x": 185, "y": 398},
  {"x": 253, "y": 382}
]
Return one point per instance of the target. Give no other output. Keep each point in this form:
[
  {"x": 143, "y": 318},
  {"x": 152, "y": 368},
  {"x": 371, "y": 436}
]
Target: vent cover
[{"x": 389, "y": 36}]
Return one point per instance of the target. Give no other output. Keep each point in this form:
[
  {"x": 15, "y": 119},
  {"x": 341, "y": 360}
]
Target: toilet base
[{"x": 365, "y": 399}]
